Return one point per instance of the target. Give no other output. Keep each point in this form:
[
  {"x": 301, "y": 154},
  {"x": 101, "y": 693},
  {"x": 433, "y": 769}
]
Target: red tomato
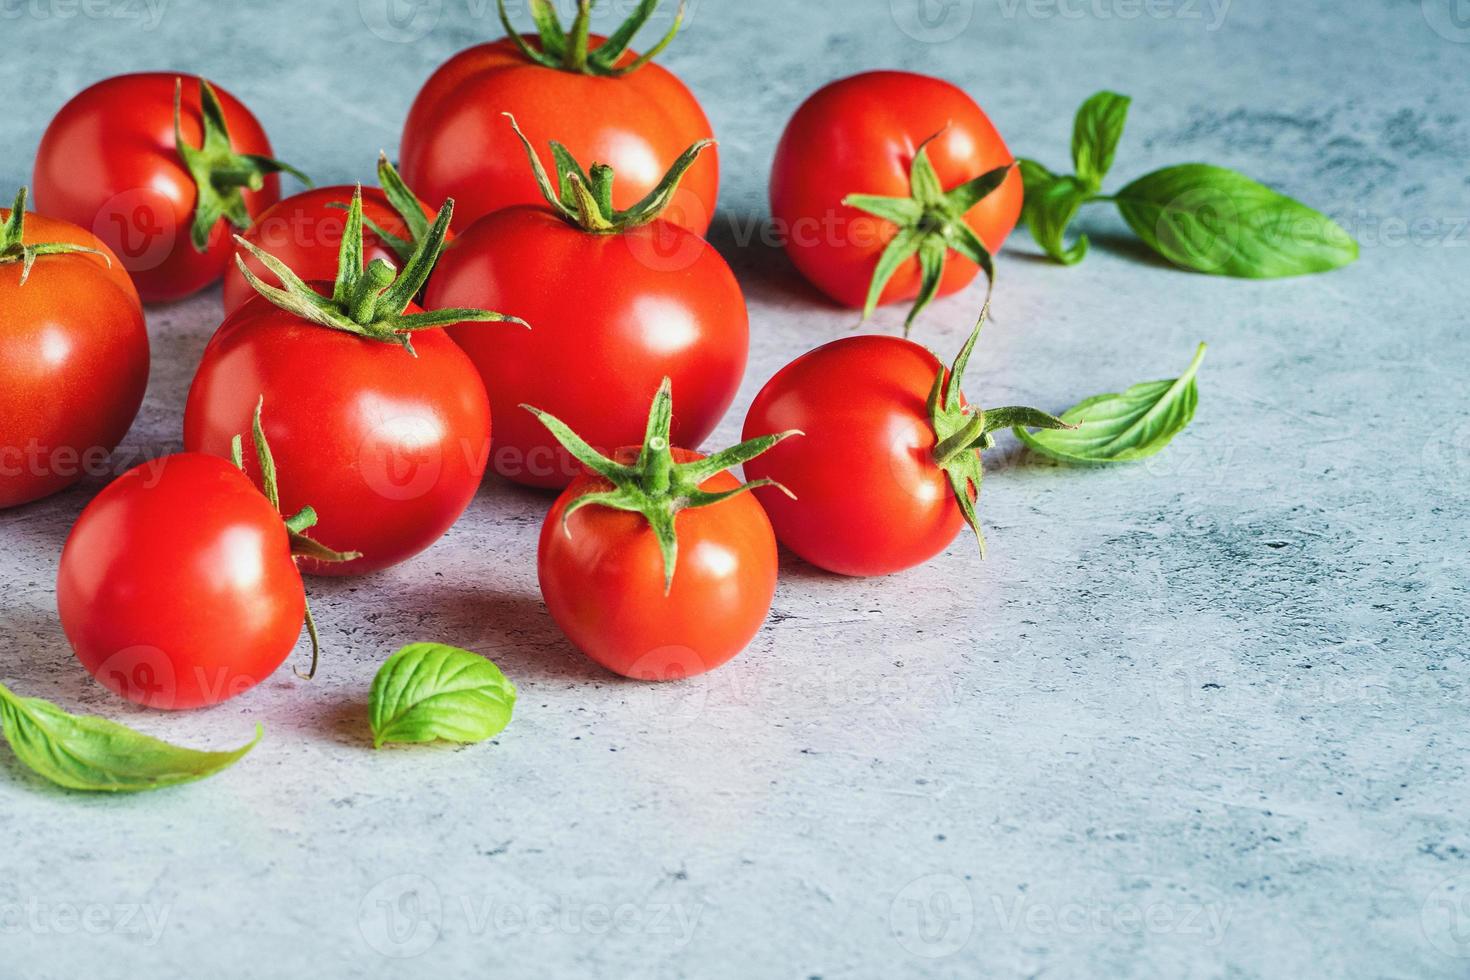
[
  {"x": 455, "y": 143},
  {"x": 177, "y": 588},
  {"x": 108, "y": 162},
  {"x": 388, "y": 447},
  {"x": 859, "y": 136},
  {"x": 305, "y": 232},
  {"x": 610, "y": 315},
  {"x": 870, "y": 498},
  {"x": 73, "y": 360},
  {"x": 603, "y": 580}
]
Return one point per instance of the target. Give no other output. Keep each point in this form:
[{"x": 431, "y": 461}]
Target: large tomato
[
  {"x": 861, "y": 136},
  {"x": 177, "y": 586},
  {"x": 73, "y": 354},
  {"x": 668, "y": 578},
  {"x": 110, "y": 163},
  {"x": 455, "y": 143},
  {"x": 305, "y": 232},
  {"x": 388, "y": 445},
  {"x": 880, "y": 482},
  {"x": 616, "y": 300}
]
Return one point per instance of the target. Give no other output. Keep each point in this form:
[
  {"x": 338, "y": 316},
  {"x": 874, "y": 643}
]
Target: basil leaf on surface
[
  {"x": 89, "y": 753},
  {"x": 1095, "y": 135},
  {"x": 1217, "y": 221},
  {"x": 429, "y": 691},
  {"x": 1120, "y": 428},
  {"x": 1052, "y": 201}
]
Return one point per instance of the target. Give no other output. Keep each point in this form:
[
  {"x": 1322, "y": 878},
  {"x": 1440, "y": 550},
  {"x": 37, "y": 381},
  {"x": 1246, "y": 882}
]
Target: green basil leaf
[
  {"x": 89, "y": 753},
  {"x": 1052, "y": 201},
  {"x": 1213, "y": 220},
  {"x": 1095, "y": 136},
  {"x": 429, "y": 691},
  {"x": 1120, "y": 428}
]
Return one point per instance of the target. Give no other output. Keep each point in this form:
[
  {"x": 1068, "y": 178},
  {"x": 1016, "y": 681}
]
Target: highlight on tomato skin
[
  {"x": 74, "y": 354},
  {"x": 177, "y": 587}
]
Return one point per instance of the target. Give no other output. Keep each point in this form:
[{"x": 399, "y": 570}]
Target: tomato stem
[
  {"x": 573, "y": 53},
  {"x": 14, "y": 248}
]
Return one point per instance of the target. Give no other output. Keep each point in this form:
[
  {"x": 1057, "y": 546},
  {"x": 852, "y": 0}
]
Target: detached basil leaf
[
  {"x": 1095, "y": 135},
  {"x": 1052, "y": 202},
  {"x": 1217, "y": 221},
  {"x": 429, "y": 691},
  {"x": 89, "y": 753},
  {"x": 1120, "y": 428}
]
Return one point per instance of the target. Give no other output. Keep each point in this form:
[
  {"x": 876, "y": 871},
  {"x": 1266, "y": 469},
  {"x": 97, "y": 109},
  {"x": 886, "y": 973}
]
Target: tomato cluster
[{"x": 371, "y": 335}]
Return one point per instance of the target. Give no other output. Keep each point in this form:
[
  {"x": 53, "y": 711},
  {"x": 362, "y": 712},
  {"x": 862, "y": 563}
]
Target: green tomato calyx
[
  {"x": 13, "y": 246},
  {"x": 931, "y": 224},
  {"x": 962, "y": 432},
  {"x": 584, "y": 198},
  {"x": 220, "y": 174},
  {"x": 654, "y": 485},
  {"x": 568, "y": 50},
  {"x": 368, "y": 302}
]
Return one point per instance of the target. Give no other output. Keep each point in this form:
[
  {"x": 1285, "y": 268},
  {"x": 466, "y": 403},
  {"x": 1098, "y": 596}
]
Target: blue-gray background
[{"x": 1200, "y": 717}]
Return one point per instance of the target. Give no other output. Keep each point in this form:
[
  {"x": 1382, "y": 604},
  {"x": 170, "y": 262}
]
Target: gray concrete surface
[{"x": 1202, "y": 717}]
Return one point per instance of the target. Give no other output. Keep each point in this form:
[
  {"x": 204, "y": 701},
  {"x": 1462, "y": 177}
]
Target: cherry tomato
[
  {"x": 860, "y": 135},
  {"x": 109, "y": 163},
  {"x": 73, "y": 357},
  {"x": 305, "y": 232},
  {"x": 671, "y": 575},
  {"x": 455, "y": 143},
  {"x": 177, "y": 588},
  {"x": 389, "y": 447}
]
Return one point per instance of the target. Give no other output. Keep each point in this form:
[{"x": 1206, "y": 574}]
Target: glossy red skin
[
  {"x": 610, "y": 316},
  {"x": 73, "y": 363},
  {"x": 108, "y": 163},
  {"x": 387, "y": 448},
  {"x": 305, "y": 231},
  {"x": 604, "y": 583},
  {"x": 870, "y": 499},
  {"x": 177, "y": 588},
  {"x": 859, "y": 136},
  {"x": 457, "y": 144}
]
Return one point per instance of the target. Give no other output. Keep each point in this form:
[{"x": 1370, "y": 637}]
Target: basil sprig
[
  {"x": 429, "y": 691},
  {"x": 1200, "y": 217},
  {"x": 89, "y": 753},
  {"x": 1120, "y": 428}
]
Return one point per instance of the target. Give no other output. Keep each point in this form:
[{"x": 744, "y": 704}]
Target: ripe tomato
[
  {"x": 455, "y": 145},
  {"x": 861, "y": 136},
  {"x": 653, "y": 562},
  {"x": 612, "y": 313},
  {"x": 110, "y": 163},
  {"x": 177, "y": 588},
  {"x": 305, "y": 232},
  {"x": 881, "y": 482},
  {"x": 387, "y": 436},
  {"x": 73, "y": 354}
]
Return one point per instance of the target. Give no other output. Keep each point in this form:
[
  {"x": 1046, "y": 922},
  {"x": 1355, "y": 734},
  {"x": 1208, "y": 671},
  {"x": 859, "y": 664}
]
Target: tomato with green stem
[
  {"x": 159, "y": 166},
  {"x": 619, "y": 299},
  {"x": 890, "y": 470},
  {"x": 891, "y": 186},
  {"x": 605, "y": 102},
  {"x": 73, "y": 354},
  {"x": 656, "y": 562},
  {"x": 305, "y": 232},
  {"x": 178, "y": 586},
  {"x": 383, "y": 421}
]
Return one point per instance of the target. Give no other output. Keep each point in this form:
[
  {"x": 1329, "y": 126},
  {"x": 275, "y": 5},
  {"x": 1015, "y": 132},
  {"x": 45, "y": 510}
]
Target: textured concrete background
[{"x": 1201, "y": 717}]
